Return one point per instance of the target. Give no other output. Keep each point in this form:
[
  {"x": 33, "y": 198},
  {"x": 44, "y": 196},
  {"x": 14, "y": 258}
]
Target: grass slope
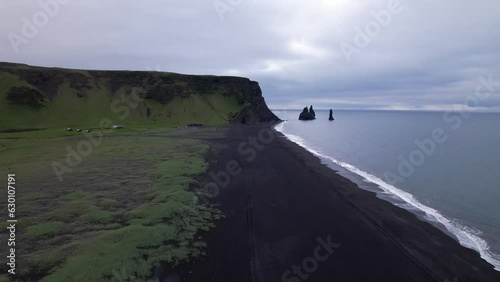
[{"x": 49, "y": 98}]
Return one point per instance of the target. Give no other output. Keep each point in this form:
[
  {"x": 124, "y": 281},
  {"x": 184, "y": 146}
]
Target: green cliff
[{"x": 38, "y": 97}]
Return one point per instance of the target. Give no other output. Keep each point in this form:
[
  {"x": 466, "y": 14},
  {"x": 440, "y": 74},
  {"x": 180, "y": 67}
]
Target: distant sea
[{"x": 444, "y": 167}]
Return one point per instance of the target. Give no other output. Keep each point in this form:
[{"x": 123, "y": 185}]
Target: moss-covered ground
[{"x": 129, "y": 206}]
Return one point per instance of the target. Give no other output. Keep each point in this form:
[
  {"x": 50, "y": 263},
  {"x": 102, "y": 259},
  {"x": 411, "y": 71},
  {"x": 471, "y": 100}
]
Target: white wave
[
  {"x": 279, "y": 127},
  {"x": 467, "y": 236}
]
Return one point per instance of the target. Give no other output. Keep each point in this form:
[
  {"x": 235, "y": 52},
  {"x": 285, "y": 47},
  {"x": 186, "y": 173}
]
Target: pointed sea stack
[
  {"x": 307, "y": 114},
  {"x": 331, "y": 115},
  {"x": 312, "y": 113}
]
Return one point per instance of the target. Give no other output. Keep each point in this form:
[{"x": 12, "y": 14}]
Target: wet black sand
[{"x": 291, "y": 218}]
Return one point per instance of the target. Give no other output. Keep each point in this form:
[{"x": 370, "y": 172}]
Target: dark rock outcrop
[
  {"x": 331, "y": 115},
  {"x": 26, "y": 96},
  {"x": 312, "y": 113},
  {"x": 250, "y": 94},
  {"x": 304, "y": 115},
  {"x": 307, "y": 114}
]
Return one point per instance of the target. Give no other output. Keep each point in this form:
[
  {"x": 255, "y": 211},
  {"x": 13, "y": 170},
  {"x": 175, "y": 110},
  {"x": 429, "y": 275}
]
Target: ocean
[{"x": 444, "y": 167}]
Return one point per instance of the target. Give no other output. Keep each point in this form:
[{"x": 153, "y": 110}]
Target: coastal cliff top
[{"x": 41, "y": 97}]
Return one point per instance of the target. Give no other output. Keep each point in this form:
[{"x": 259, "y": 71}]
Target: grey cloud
[{"x": 429, "y": 56}]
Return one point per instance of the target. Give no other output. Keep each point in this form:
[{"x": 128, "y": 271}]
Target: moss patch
[
  {"x": 44, "y": 230},
  {"x": 98, "y": 217},
  {"x": 109, "y": 204},
  {"x": 76, "y": 195},
  {"x": 69, "y": 211}
]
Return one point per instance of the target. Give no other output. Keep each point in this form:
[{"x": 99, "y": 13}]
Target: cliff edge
[{"x": 40, "y": 97}]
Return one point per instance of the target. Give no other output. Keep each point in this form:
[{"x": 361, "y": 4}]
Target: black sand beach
[{"x": 291, "y": 218}]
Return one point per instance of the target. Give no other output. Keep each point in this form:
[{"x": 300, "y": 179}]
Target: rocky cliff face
[{"x": 230, "y": 99}]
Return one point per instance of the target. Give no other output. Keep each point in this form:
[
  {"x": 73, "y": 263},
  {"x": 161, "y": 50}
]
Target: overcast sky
[{"x": 425, "y": 54}]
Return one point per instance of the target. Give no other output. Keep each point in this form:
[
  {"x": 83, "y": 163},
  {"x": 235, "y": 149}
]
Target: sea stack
[
  {"x": 307, "y": 114},
  {"x": 331, "y": 115}
]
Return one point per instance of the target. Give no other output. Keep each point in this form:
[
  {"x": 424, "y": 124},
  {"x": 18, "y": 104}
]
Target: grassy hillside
[{"x": 48, "y": 98}]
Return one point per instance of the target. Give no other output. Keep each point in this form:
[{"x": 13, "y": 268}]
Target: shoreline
[
  {"x": 274, "y": 221},
  {"x": 402, "y": 199}
]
